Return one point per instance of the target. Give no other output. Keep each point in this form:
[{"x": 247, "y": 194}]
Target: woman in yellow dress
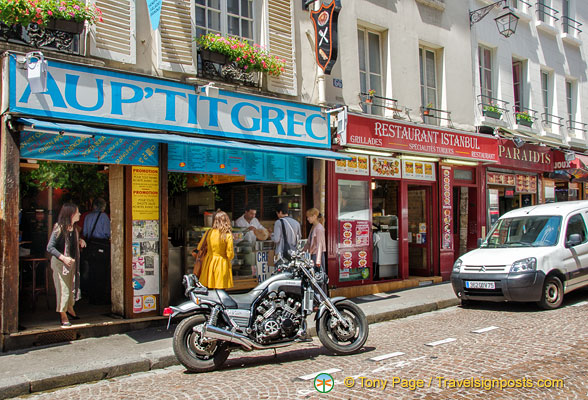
[{"x": 216, "y": 267}]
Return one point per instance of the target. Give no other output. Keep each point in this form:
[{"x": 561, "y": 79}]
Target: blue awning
[{"x": 65, "y": 128}]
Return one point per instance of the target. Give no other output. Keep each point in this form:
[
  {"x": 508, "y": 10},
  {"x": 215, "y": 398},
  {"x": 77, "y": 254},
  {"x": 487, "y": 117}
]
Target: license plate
[{"x": 480, "y": 285}]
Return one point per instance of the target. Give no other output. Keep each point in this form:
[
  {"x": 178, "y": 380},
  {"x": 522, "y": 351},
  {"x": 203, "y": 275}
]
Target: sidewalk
[{"x": 49, "y": 367}]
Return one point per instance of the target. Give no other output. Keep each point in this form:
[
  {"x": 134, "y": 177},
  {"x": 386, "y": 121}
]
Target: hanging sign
[
  {"x": 325, "y": 34},
  {"x": 154, "y": 7}
]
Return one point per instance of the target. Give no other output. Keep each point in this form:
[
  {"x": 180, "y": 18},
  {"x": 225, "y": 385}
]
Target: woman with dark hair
[
  {"x": 216, "y": 266},
  {"x": 64, "y": 246}
]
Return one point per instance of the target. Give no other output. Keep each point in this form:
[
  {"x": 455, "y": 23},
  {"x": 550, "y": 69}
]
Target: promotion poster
[
  {"x": 146, "y": 239},
  {"x": 358, "y": 165},
  {"x": 353, "y": 265}
]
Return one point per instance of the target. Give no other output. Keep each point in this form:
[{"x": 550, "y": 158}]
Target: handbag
[{"x": 201, "y": 254}]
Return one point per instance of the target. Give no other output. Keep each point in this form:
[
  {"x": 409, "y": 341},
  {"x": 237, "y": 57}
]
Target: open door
[{"x": 420, "y": 230}]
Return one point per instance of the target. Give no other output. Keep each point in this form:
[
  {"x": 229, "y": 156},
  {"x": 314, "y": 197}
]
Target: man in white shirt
[{"x": 249, "y": 221}]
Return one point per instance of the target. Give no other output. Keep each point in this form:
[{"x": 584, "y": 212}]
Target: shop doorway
[
  {"x": 465, "y": 223},
  {"x": 420, "y": 230},
  {"x": 385, "y": 200}
]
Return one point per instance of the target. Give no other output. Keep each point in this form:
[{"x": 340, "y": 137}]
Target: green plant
[
  {"x": 177, "y": 182},
  {"x": 25, "y": 12},
  {"x": 210, "y": 185},
  {"x": 490, "y": 107},
  {"x": 250, "y": 57},
  {"x": 371, "y": 92},
  {"x": 524, "y": 115}
]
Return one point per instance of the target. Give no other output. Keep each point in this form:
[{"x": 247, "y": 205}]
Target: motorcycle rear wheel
[
  {"x": 338, "y": 339},
  {"x": 190, "y": 354}
]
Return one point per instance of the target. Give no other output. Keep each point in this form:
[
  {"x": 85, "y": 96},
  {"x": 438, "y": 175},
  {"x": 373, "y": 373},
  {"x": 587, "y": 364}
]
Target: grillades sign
[
  {"x": 389, "y": 135},
  {"x": 325, "y": 34}
]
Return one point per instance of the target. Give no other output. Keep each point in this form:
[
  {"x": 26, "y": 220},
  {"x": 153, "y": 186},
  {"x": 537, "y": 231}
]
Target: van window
[
  {"x": 576, "y": 225},
  {"x": 528, "y": 231}
]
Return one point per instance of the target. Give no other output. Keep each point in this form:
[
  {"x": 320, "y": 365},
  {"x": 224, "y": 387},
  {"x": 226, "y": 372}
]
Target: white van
[{"x": 535, "y": 253}]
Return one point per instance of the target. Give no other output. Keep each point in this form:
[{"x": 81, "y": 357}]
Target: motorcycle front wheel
[
  {"x": 194, "y": 355},
  {"x": 335, "y": 337}
]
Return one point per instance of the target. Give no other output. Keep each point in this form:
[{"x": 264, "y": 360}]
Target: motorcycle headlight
[
  {"x": 457, "y": 265},
  {"x": 527, "y": 264}
]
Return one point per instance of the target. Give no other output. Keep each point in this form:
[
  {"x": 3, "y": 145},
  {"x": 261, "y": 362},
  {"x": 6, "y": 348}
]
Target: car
[{"x": 532, "y": 254}]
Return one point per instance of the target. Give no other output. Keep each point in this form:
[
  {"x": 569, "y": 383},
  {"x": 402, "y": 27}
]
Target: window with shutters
[
  {"x": 226, "y": 17},
  {"x": 114, "y": 37}
]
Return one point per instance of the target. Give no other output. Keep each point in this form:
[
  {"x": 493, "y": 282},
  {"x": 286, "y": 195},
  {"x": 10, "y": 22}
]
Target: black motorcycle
[{"x": 270, "y": 316}]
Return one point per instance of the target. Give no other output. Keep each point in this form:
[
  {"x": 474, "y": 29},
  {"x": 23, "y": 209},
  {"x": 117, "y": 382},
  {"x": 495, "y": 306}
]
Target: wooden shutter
[
  {"x": 281, "y": 43},
  {"x": 114, "y": 37},
  {"x": 176, "y": 31}
]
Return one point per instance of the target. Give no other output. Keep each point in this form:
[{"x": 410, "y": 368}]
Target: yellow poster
[{"x": 145, "y": 193}]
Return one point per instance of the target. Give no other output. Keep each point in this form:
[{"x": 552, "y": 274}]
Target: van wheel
[{"x": 552, "y": 295}]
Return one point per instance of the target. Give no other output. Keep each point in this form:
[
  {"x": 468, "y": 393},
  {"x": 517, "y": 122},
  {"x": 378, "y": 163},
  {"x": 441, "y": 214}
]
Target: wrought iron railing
[
  {"x": 434, "y": 116},
  {"x": 492, "y": 107},
  {"x": 551, "y": 119},
  {"x": 569, "y": 25},
  {"x": 524, "y": 116},
  {"x": 544, "y": 11},
  {"x": 386, "y": 103},
  {"x": 217, "y": 66},
  {"x": 41, "y": 38},
  {"x": 577, "y": 126}
]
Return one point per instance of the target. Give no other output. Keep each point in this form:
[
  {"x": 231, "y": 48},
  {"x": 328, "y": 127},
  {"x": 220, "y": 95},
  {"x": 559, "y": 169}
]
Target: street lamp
[{"x": 506, "y": 23}]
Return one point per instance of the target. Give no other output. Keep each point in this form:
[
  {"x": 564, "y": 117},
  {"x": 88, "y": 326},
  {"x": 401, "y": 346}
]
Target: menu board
[
  {"x": 386, "y": 167},
  {"x": 420, "y": 170},
  {"x": 358, "y": 165},
  {"x": 526, "y": 184},
  {"x": 354, "y": 265},
  {"x": 354, "y": 233},
  {"x": 495, "y": 178},
  {"x": 446, "y": 207},
  {"x": 255, "y": 166}
]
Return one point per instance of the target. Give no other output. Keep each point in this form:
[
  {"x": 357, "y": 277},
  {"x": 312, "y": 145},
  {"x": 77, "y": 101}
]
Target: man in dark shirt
[{"x": 96, "y": 232}]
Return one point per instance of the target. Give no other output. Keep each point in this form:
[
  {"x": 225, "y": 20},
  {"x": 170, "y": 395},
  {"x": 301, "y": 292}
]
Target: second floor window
[
  {"x": 570, "y": 102},
  {"x": 545, "y": 95},
  {"x": 370, "y": 67},
  {"x": 428, "y": 71},
  {"x": 517, "y": 85},
  {"x": 485, "y": 59},
  {"x": 226, "y": 17}
]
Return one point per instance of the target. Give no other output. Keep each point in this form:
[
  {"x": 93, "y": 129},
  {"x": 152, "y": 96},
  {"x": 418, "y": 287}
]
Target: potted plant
[
  {"x": 370, "y": 97},
  {"x": 523, "y": 118},
  {"x": 249, "y": 57},
  {"x": 67, "y": 16},
  {"x": 427, "y": 109},
  {"x": 492, "y": 111}
]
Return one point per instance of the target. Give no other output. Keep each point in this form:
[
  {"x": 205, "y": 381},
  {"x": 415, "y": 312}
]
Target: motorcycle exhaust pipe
[{"x": 214, "y": 332}]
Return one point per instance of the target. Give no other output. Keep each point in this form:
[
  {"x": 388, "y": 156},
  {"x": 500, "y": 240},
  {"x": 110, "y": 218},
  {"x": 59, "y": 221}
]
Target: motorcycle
[{"x": 270, "y": 316}]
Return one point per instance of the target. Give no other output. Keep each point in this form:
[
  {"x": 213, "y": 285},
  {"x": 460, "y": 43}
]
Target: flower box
[
  {"x": 525, "y": 122},
  {"x": 66, "y": 25},
  {"x": 492, "y": 114},
  {"x": 213, "y": 56}
]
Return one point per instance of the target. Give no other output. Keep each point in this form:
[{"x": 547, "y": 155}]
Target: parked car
[{"x": 535, "y": 253}]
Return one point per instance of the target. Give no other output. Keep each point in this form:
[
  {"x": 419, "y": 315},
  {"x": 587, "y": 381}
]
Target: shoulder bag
[{"x": 200, "y": 255}]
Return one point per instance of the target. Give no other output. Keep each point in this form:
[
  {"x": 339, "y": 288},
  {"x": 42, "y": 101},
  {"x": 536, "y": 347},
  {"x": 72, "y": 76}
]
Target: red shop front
[{"x": 397, "y": 213}]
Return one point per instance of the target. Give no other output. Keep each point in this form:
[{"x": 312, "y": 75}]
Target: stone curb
[{"x": 165, "y": 358}]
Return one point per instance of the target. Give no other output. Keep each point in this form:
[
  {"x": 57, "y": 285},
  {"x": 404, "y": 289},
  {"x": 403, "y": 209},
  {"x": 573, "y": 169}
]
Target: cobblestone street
[{"x": 521, "y": 346}]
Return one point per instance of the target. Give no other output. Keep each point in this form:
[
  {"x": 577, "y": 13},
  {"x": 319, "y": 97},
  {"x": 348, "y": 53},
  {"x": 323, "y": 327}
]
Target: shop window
[
  {"x": 370, "y": 66},
  {"x": 354, "y": 202},
  {"x": 463, "y": 175}
]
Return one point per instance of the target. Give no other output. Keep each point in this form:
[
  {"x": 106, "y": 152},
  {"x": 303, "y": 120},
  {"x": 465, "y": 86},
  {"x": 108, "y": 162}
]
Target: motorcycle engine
[{"x": 277, "y": 316}]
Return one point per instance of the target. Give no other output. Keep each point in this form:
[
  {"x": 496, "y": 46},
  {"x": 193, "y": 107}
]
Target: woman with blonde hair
[
  {"x": 216, "y": 267},
  {"x": 316, "y": 244}
]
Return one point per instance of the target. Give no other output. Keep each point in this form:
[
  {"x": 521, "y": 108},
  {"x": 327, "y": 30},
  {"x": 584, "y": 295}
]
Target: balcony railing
[
  {"x": 41, "y": 38},
  {"x": 570, "y": 26},
  {"x": 546, "y": 13},
  {"x": 576, "y": 126},
  {"x": 217, "y": 66},
  {"x": 551, "y": 119},
  {"x": 434, "y": 116},
  {"x": 524, "y": 116},
  {"x": 386, "y": 103},
  {"x": 492, "y": 107}
]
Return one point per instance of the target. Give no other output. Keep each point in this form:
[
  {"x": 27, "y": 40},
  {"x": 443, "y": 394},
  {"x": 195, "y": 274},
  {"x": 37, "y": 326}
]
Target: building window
[
  {"x": 485, "y": 57},
  {"x": 542, "y": 10},
  {"x": 517, "y": 85},
  {"x": 545, "y": 95},
  {"x": 428, "y": 71},
  {"x": 226, "y": 17},
  {"x": 370, "y": 66},
  {"x": 566, "y": 15}
]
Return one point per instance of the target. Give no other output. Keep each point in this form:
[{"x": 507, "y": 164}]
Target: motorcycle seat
[{"x": 245, "y": 300}]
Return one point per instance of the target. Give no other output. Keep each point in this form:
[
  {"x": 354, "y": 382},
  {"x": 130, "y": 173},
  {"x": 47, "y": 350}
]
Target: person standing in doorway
[
  {"x": 96, "y": 265},
  {"x": 286, "y": 231},
  {"x": 64, "y": 247}
]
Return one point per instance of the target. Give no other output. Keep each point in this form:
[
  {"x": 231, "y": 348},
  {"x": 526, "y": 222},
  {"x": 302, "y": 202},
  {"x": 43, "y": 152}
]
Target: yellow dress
[{"x": 216, "y": 267}]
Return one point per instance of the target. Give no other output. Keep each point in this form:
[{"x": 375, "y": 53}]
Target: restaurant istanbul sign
[
  {"x": 86, "y": 94},
  {"x": 390, "y": 135}
]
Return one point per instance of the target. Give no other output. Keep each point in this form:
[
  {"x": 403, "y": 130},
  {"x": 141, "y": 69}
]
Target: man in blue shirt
[
  {"x": 96, "y": 265},
  {"x": 288, "y": 226}
]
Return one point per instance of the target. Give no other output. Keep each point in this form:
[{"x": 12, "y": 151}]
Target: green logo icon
[
  {"x": 323, "y": 383},
  {"x": 365, "y": 273}
]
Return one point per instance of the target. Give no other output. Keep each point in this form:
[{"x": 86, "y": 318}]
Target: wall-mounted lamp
[
  {"x": 569, "y": 155},
  {"x": 460, "y": 162},
  {"x": 506, "y": 23},
  {"x": 208, "y": 90},
  {"x": 36, "y": 66},
  {"x": 518, "y": 142}
]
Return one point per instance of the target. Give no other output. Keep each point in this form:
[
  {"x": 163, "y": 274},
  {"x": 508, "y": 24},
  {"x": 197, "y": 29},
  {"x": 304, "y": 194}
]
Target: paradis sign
[
  {"x": 389, "y": 135},
  {"x": 325, "y": 34}
]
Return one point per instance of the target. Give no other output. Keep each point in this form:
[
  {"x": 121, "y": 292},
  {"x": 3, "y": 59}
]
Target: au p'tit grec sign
[{"x": 85, "y": 94}]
